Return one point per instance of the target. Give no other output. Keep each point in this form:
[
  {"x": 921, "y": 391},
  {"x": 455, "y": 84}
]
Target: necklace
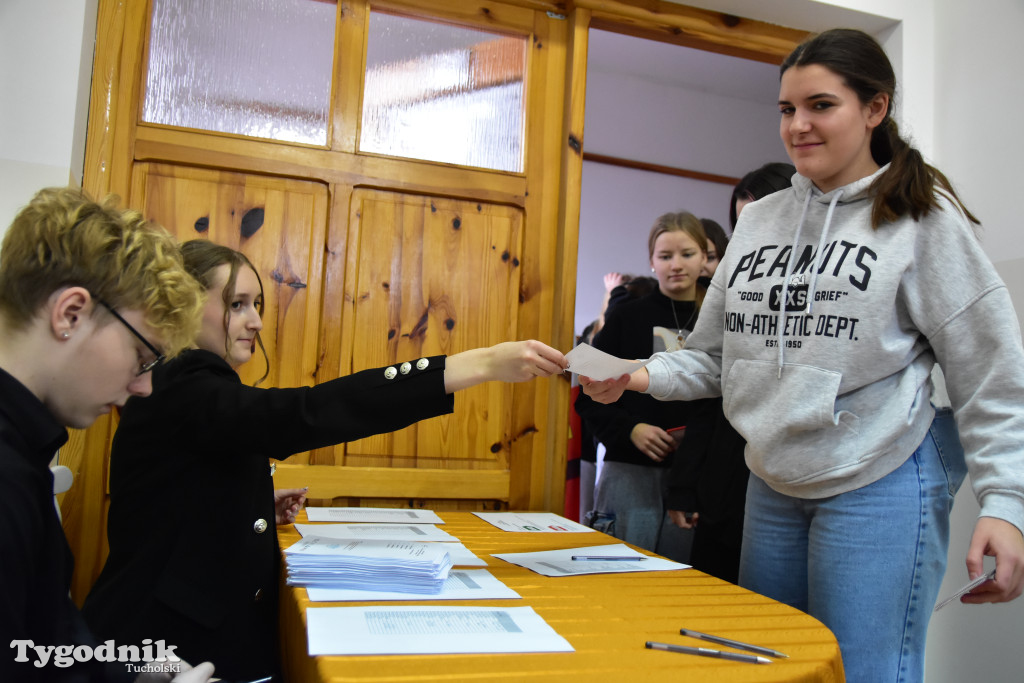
[{"x": 679, "y": 328}]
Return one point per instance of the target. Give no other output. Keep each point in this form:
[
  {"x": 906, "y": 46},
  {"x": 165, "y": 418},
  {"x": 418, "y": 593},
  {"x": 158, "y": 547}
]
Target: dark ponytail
[{"x": 911, "y": 185}]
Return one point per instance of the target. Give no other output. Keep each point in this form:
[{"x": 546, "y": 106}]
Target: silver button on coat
[
  {"x": 259, "y": 526},
  {"x": 422, "y": 364},
  {"x": 406, "y": 367},
  {"x": 391, "y": 373}
]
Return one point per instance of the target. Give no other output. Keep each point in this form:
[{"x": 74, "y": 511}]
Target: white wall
[
  {"x": 46, "y": 49},
  {"x": 640, "y": 120}
]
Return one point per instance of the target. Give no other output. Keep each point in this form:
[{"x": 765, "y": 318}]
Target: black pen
[
  {"x": 732, "y": 643},
  {"x": 601, "y": 558},
  {"x": 705, "y": 652}
]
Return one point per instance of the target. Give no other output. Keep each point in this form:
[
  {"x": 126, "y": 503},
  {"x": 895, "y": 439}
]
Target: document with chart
[{"x": 429, "y": 629}]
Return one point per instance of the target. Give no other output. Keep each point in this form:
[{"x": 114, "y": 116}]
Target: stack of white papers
[
  {"x": 368, "y": 565},
  {"x": 466, "y": 584}
]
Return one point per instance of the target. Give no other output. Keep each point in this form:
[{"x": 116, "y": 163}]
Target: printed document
[
  {"x": 462, "y": 584},
  {"x": 375, "y": 515},
  {"x": 384, "y": 532},
  {"x": 429, "y": 629},
  {"x": 532, "y": 522},
  {"x": 585, "y": 360},
  {"x": 560, "y": 562}
]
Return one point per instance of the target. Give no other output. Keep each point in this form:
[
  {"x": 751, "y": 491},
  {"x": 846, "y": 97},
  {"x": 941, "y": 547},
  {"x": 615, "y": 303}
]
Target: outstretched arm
[{"x": 505, "y": 362}]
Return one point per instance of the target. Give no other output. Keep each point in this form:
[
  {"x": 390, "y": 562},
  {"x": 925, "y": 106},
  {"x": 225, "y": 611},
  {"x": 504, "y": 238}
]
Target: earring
[
  {"x": 66, "y": 335},
  {"x": 652, "y": 270}
]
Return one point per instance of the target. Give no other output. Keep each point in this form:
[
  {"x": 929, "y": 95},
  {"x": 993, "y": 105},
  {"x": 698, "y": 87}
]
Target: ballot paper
[
  {"x": 367, "y": 564},
  {"x": 375, "y": 515},
  {"x": 460, "y": 554},
  {"x": 585, "y": 360},
  {"x": 560, "y": 562},
  {"x": 461, "y": 584},
  {"x": 533, "y": 522},
  {"x": 389, "y": 532},
  {"x": 429, "y": 629}
]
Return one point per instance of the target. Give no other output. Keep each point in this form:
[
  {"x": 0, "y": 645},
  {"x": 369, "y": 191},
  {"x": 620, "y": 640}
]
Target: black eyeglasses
[{"x": 149, "y": 365}]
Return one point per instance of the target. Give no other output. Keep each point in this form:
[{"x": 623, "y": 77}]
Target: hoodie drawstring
[{"x": 791, "y": 265}]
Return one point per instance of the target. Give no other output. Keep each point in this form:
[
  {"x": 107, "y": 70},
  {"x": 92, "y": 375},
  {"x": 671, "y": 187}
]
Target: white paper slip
[
  {"x": 585, "y": 360},
  {"x": 966, "y": 589},
  {"x": 560, "y": 562},
  {"x": 429, "y": 629},
  {"x": 375, "y": 515},
  {"x": 532, "y": 522},
  {"x": 388, "y": 532},
  {"x": 462, "y": 584}
]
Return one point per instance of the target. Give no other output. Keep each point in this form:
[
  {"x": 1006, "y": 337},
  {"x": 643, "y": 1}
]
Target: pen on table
[
  {"x": 732, "y": 643},
  {"x": 705, "y": 652},
  {"x": 601, "y": 558}
]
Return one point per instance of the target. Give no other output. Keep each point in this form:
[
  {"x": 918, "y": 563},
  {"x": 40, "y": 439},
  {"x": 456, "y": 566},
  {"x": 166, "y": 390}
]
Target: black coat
[
  {"x": 194, "y": 556},
  {"x": 35, "y": 560}
]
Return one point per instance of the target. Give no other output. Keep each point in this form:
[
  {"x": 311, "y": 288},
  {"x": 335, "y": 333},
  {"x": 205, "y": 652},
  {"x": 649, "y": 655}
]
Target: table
[{"x": 606, "y": 617}]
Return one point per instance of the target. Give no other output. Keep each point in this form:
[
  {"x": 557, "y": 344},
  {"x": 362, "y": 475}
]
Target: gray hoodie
[{"x": 828, "y": 379}]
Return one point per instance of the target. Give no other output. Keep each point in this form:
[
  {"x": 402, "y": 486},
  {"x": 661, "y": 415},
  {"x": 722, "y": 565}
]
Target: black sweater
[{"x": 628, "y": 333}]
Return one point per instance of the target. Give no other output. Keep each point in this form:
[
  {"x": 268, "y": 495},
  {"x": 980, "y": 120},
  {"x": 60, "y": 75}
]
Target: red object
[{"x": 572, "y": 461}]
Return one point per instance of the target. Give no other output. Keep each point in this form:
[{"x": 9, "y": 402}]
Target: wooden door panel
[{"x": 433, "y": 276}]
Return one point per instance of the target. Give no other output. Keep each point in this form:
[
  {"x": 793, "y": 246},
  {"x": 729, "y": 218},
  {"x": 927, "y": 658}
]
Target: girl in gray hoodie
[{"x": 820, "y": 330}]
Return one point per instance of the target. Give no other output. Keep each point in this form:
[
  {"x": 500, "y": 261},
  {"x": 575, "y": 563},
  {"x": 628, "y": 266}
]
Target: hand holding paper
[{"x": 590, "y": 362}]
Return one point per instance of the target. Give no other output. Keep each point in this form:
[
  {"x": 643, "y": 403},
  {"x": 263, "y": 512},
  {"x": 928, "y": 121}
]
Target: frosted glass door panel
[
  {"x": 260, "y": 68},
  {"x": 445, "y": 93}
]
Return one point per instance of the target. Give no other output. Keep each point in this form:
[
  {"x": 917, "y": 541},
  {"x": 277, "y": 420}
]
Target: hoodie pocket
[{"x": 784, "y": 419}]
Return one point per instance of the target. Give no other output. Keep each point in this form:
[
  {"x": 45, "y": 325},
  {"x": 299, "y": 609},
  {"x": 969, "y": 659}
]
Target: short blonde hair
[{"x": 63, "y": 238}]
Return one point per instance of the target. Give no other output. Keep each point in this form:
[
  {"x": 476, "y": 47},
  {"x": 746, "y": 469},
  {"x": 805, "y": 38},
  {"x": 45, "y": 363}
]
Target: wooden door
[{"x": 279, "y": 224}]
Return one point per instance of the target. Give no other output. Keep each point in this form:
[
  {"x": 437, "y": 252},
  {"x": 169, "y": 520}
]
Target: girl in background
[{"x": 629, "y": 500}]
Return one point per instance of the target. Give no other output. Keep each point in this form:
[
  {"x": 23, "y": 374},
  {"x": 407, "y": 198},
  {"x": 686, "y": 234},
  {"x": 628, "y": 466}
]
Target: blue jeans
[{"x": 867, "y": 563}]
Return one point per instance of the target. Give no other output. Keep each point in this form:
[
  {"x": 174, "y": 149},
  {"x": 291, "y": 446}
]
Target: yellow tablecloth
[{"x": 607, "y": 618}]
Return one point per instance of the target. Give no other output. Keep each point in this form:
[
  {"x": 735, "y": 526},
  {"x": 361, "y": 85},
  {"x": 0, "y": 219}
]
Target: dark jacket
[
  {"x": 712, "y": 480},
  {"x": 628, "y": 333},
  {"x": 35, "y": 560},
  {"x": 193, "y": 544}
]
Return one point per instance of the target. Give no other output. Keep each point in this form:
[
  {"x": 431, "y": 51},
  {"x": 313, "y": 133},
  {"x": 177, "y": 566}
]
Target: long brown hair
[
  {"x": 202, "y": 258},
  {"x": 910, "y": 185}
]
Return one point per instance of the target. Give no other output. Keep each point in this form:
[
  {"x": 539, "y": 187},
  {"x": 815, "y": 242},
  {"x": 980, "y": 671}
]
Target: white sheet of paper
[
  {"x": 560, "y": 562},
  {"x": 375, "y": 515},
  {"x": 585, "y": 360},
  {"x": 532, "y": 522},
  {"x": 966, "y": 589},
  {"x": 384, "y": 532},
  {"x": 462, "y": 584},
  {"x": 429, "y": 629}
]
